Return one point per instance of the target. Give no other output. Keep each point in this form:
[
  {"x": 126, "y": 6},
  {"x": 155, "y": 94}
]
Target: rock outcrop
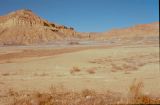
[{"x": 23, "y": 27}]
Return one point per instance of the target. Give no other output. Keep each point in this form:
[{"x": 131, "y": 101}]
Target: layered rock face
[{"x": 23, "y": 27}]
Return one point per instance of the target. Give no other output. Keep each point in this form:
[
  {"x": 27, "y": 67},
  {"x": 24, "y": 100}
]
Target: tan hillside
[
  {"x": 24, "y": 27},
  {"x": 142, "y": 30},
  {"x": 138, "y": 31}
]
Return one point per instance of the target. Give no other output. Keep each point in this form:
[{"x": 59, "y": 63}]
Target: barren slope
[{"x": 24, "y": 27}]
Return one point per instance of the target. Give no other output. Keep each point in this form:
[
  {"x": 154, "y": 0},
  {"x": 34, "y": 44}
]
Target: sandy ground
[{"x": 99, "y": 68}]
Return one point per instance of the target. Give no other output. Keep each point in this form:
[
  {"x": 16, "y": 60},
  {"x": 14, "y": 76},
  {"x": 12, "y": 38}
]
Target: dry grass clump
[
  {"x": 75, "y": 70},
  {"x": 91, "y": 70},
  {"x": 92, "y": 61},
  {"x": 129, "y": 67},
  {"x": 116, "y": 67},
  {"x": 41, "y": 74},
  {"x": 8, "y": 61},
  {"x": 127, "y": 72},
  {"x": 54, "y": 97},
  {"x": 87, "y": 93},
  {"x": 136, "y": 95},
  {"x": 74, "y": 43},
  {"x": 127, "y": 64},
  {"x": 85, "y": 97},
  {"x": 11, "y": 92},
  {"x": 135, "y": 91},
  {"x": 9, "y": 74},
  {"x": 123, "y": 67},
  {"x": 98, "y": 61},
  {"x": 5, "y": 74}
]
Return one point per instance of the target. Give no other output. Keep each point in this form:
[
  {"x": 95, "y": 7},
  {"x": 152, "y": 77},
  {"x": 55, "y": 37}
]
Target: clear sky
[{"x": 89, "y": 15}]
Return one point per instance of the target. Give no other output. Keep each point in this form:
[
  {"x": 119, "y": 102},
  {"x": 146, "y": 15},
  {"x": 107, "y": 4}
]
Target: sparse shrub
[
  {"x": 129, "y": 67},
  {"x": 41, "y": 74},
  {"x": 113, "y": 70},
  {"x": 140, "y": 64},
  {"x": 11, "y": 92},
  {"x": 87, "y": 92},
  {"x": 85, "y": 97},
  {"x": 91, "y": 70},
  {"x": 5, "y": 74},
  {"x": 74, "y": 70},
  {"x": 115, "y": 67},
  {"x": 127, "y": 72},
  {"x": 73, "y": 43},
  {"x": 92, "y": 61},
  {"x": 135, "y": 91},
  {"x": 136, "y": 95},
  {"x": 8, "y": 61}
]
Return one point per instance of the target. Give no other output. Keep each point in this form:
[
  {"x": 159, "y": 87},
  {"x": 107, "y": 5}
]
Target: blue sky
[{"x": 89, "y": 15}]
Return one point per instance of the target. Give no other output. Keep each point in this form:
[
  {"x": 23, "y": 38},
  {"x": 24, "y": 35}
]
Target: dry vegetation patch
[
  {"x": 130, "y": 63},
  {"x": 85, "y": 97},
  {"x": 5, "y": 74},
  {"x": 91, "y": 70},
  {"x": 9, "y": 73},
  {"x": 74, "y": 70},
  {"x": 41, "y": 74},
  {"x": 74, "y": 43},
  {"x": 136, "y": 95}
]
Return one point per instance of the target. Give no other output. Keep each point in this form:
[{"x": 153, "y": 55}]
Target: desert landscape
[{"x": 43, "y": 63}]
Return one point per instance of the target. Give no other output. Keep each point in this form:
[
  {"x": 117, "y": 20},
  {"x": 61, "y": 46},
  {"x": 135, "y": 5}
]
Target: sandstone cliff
[{"x": 23, "y": 27}]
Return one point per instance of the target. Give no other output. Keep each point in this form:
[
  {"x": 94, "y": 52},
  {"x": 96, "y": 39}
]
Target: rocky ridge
[{"x": 23, "y": 27}]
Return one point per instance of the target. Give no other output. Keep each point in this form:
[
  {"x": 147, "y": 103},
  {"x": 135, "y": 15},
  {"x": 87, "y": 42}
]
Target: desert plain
[
  {"x": 100, "y": 68},
  {"x": 43, "y": 63}
]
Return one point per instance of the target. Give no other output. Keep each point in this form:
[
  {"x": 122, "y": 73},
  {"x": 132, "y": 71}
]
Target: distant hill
[
  {"x": 23, "y": 27},
  {"x": 141, "y": 30},
  {"x": 134, "y": 32}
]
